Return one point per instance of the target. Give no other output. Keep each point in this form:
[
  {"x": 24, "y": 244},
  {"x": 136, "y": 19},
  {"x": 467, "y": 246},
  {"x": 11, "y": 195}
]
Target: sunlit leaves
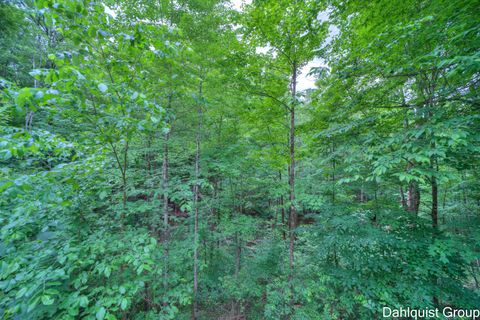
[{"x": 102, "y": 87}]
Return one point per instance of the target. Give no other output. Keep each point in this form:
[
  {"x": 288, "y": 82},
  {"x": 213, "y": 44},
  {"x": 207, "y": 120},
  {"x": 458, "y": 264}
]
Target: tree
[
  {"x": 293, "y": 32},
  {"x": 153, "y": 181}
]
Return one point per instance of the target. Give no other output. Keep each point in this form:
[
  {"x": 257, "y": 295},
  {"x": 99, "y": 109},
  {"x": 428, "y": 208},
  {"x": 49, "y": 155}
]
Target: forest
[{"x": 243, "y": 159}]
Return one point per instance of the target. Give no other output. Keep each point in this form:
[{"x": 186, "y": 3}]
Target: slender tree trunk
[
  {"x": 413, "y": 200},
  {"x": 29, "y": 114},
  {"x": 195, "y": 202},
  {"x": 29, "y": 120},
  {"x": 413, "y": 193},
  {"x": 124, "y": 179},
  {"x": 293, "y": 214},
  {"x": 282, "y": 205},
  {"x": 429, "y": 91},
  {"x": 434, "y": 184},
  {"x": 123, "y": 170},
  {"x": 402, "y": 198},
  {"x": 166, "y": 228},
  {"x": 124, "y": 193}
]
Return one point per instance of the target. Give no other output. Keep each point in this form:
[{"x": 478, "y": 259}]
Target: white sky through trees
[{"x": 304, "y": 80}]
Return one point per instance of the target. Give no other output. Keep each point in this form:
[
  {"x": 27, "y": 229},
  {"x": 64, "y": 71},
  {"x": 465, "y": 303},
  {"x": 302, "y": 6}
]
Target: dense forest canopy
[{"x": 163, "y": 159}]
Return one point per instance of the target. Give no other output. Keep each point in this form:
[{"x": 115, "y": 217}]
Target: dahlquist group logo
[{"x": 448, "y": 312}]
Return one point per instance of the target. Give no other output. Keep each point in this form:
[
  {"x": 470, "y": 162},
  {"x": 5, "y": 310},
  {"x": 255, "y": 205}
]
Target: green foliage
[{"x": 114, "y": 115}]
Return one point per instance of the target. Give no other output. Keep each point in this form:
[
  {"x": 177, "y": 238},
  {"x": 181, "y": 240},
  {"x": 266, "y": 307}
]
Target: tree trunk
[
  {"x": 195, "y": 203},
  {"x": 166, "y": 229},
  {"x": 402, "y": 198},
  {"x": 413, "y": 199},
  {"x": 124, "y": 193},
  {"x": 123, "y": 170},
  {"x": 434, "y": 212},
  {"x": 238, "y": 255},
  {"x": 293, "y": 214},
  {"x": 124, "y": 179},
  {"x": 29, "y": 114},
  {"x": 282, "y": 205}
]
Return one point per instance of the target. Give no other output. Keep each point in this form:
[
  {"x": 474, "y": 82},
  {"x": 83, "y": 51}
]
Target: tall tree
[{"x": 293, "y": 32}]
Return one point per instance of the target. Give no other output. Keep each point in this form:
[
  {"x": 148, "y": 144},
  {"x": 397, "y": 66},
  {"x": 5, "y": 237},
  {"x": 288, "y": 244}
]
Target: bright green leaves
[
  {"x": 398, "y": 112},
  {"x": 100, "y": 80},
  {"x": 291, "y": 29},
  {"x": 23, "y": 97},
  {"x": 33, "y": 148},
  {"x": 80, "y": 231},
  {"x": 415, "y": 149},
  {"x": 28, "y": 98}
]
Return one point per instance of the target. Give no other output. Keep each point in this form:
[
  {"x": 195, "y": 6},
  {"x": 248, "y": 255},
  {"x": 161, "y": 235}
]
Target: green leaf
[
  {"x": 100, "y": 313},
  {"x": 5, "y": 154},
  {"x": 47, "y": 300},
  {"x": 102, "y": 87},
  {"x": 83, "y": 301},
  {"x": 124, "y": 304},
  {"x": 140, "y": 269},
  {"x": 21, "y": 292},
  {"x": 103, "y": 195},
  {"x": 33, "y": 304},
  {"x": 107, "y": 271}
]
